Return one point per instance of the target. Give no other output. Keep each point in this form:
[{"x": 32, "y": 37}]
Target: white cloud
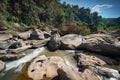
[{"x": 98, "y": 8}]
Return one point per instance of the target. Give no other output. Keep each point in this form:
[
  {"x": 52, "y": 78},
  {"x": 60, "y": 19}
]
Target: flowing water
[{"x": 17, "y": 70}]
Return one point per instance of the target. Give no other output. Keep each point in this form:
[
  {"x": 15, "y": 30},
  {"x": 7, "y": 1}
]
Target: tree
[{"x": 96, "y": 19}]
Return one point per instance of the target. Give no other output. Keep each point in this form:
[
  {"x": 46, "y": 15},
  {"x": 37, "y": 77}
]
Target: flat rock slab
[{"x": 71, "y": 41}]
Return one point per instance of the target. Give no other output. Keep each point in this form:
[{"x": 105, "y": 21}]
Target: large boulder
[
  {"x": 37, "y": 34},
  {"x": 2, "y": 66},
  {"x": 86, "y": 59},
  {"x": 53, "y": 68},
  {"x": 25, "y": 35},
  {"x": 54, "y": 42},
  {"x": 102, "y": 43},
  {"x": 71, "y": 41}
]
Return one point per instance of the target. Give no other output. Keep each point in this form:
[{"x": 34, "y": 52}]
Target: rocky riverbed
[{"x": 46, "y": 55}]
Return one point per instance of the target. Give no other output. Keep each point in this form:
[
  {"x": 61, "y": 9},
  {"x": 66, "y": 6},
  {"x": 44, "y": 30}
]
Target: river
[{"x": 17, "y": 70}]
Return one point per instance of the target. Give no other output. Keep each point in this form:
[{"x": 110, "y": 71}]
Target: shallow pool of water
[{"x": 20, "y": 72}]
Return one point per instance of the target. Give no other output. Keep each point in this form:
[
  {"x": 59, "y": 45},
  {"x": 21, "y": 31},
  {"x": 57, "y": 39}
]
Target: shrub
[{"x": 74, "y": 29}]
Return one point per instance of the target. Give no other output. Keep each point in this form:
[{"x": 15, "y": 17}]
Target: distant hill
[{"x": 105, "y": 19}]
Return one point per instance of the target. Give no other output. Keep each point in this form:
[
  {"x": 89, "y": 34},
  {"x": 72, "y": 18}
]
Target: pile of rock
[
  {"x": 12, "y": 50},
  {"x": 13, "y": 47},
  {"x": 34, "y": 34},
  {"x": 89, "y": 64},
  {"x": 55, "y": 68},
  {"x": 98, "y": 43}
]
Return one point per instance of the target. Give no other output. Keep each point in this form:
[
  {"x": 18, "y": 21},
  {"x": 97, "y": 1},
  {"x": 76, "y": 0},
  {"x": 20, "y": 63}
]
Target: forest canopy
[{"x": 50, "y": 14}]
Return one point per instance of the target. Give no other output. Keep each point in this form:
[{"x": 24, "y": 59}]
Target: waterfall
[{"x": 25, "y": 59}]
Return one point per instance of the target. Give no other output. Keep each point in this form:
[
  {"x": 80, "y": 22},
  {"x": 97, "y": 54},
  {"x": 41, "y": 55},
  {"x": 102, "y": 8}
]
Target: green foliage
[
  {"x": 110, "y": 24},
  {"x": 84, "y": 30},
  {"x": 49, "y": 14}
]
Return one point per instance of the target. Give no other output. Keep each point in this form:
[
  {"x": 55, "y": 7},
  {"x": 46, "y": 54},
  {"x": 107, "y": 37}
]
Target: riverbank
[{"x": 81, "y": 55}]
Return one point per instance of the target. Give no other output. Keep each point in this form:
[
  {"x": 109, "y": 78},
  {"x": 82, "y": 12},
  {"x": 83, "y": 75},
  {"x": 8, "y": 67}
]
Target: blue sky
[{"x": 105, "y": 8}]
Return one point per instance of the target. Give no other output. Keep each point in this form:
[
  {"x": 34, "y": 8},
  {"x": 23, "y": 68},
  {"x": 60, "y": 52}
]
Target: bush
[
  {"x": 74, "y": 29},
  {"x": 84, "y": 30}
]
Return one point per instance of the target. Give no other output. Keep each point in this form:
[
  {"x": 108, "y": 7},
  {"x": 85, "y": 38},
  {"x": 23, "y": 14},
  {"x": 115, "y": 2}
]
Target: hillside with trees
[{"x": 26, "y": 14}]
